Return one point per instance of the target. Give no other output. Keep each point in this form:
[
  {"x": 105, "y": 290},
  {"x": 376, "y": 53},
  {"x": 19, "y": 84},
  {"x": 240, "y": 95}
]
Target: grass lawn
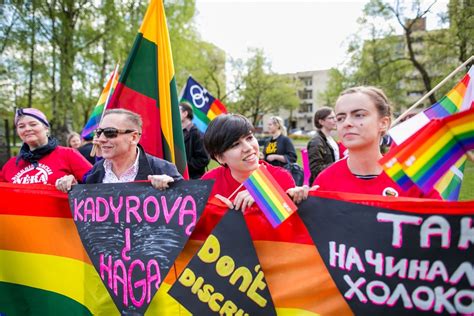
[{"x": 467, "y": 188}]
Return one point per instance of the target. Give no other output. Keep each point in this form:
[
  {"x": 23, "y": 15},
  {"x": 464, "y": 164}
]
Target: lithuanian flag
[{"x": 147, "y": 86}]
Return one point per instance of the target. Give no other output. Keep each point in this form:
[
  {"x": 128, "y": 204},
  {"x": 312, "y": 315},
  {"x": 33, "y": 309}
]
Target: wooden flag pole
[
  {"x": 455, "y": 71},
  {"x": 107, "y": 100}
]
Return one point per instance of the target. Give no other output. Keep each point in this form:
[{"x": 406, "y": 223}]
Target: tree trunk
[
  {"x": 32, "y": 55},
  {"x": 424, "y": 74}
]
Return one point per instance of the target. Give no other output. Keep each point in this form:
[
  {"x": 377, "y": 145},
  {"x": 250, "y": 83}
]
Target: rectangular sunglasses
[{"x": 112, "y": 132}]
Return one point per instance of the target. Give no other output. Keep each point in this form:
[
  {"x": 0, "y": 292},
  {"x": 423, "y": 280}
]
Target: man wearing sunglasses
[{"x": 124, "y": 159}]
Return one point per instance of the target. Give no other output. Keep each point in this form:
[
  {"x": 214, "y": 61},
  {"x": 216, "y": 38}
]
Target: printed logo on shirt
[
  {"x": 30, "y": 175},
  {"x": 388, "y": 191},
  {"x": 271, "y": 148}
]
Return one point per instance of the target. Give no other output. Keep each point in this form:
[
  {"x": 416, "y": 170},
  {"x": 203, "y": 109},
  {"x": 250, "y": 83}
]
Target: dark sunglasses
[{"x": 112, "y": 132}]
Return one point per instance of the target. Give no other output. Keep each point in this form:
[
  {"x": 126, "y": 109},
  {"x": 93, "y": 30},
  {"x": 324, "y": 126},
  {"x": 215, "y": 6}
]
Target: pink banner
[{"x": 307, "y": 172}]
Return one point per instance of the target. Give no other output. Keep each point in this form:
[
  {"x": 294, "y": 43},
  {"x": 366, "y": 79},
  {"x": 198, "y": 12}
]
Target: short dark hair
[
  {"x": 188, "y": 109},
  {"x": 225, "y": 130},
  {"x": 321, "y": 114}
]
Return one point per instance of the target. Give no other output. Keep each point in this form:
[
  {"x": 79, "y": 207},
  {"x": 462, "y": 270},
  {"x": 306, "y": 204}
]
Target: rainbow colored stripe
[
  {"x": 94, "y": 119},
  {"x": 204, "y": 105},
  {"x": 426, "y": 156},
  {"x": 456, "y": 100},
  {"x": 449, "y": 185},
  {"x": 269, "y": 196}
]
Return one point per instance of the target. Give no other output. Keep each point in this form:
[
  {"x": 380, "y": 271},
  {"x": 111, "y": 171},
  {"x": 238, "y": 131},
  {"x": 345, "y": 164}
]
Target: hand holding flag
[{"x": 269, "y": 196}]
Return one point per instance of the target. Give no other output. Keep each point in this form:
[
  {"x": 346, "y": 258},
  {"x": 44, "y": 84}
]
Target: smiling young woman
[
  {"x": 230, "y": 141},
  {"x": 363, "y": 116}
]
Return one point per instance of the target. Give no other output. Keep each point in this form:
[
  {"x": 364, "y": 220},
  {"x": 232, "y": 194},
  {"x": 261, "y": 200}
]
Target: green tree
[{"x": 261, "y": 90}]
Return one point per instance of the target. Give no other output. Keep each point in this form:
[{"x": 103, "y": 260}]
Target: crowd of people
[{"x": 361, "y": 117}]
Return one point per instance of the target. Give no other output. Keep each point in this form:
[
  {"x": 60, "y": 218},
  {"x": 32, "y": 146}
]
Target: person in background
[
  {"x": 363, "y": 116},
  {"x": 196, "y": 154},
  {"x": 322, "y": 149},
  {"x": 278, "y": 150},
  {"x": 41, "y": 159},
  {"x": 86, "y": 149},
  {"x": 74, "y": 140},
  {"x": 230, "y": 141},
  {"x": 124, "y": 159}
]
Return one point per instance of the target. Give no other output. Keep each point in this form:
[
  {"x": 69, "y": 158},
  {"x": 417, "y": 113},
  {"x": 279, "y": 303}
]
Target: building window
[
  {"x": 307, "y": 81},
  {"x": 305, "y": 94},
  {"x": 306, "y": 107}
]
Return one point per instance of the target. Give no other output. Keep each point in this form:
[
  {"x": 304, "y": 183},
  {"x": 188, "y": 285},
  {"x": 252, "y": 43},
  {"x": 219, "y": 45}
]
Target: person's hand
[
  {"x": 272, "y": 157},
  {"x": 243, "y": 200},
  {"x": 224, "y": 200},
  {"x": 64, "y": 184},
  {"x": 161, "y": 181},
  {"x": 299, "y": 194}
]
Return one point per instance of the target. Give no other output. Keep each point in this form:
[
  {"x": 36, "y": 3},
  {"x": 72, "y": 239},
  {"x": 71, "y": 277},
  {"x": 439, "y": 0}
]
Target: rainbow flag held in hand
[
  {"x": 460, "y": 98},
  {"x": 449, "y": 185},
  {"x": 94, "y": 119},
  {"x": 432, "y": 151},
  {"x": 269, "y": 196},
  {"x": 205, "y": 106}
]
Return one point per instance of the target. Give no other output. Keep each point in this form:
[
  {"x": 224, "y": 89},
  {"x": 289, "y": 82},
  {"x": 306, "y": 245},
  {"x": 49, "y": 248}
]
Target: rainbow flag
[
  {"x": 449, "y": 185},
  {"x": 147, "y": 86},
  {"x": 205, "y": 106},
  {"x": 44, "y": 269},
  {"x": 432, "y": 151},
  {"x": 94, "y": 119},
  {"x": 460, "y": 98},
  {"x": 269, "y": 196}
]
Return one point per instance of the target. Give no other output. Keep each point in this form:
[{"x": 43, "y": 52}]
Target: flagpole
[
  {"x": 455, "y": 71},
  {"x": 181, "y": 93},
  {"x": 107, "y": 100}
]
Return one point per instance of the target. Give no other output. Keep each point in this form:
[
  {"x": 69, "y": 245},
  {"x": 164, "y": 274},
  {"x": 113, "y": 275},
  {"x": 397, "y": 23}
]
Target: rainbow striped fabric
[
  {"x": 44, "y": 269},
  {"x": 449, "y": 185},
  {"x": 269, "y": 196},
  {"x": 205, "y": 106},
  {"x": 426, "y": 156},
  {"x": 94, "y": 119},
  {"x": 147, "y": 86},
  {"x": 460, "y": 98}
]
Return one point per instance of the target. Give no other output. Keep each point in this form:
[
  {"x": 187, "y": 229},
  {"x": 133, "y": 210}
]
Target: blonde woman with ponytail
[{"x": 278, "y": 150}]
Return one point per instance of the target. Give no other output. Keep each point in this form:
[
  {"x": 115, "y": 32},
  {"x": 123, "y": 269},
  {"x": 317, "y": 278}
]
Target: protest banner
[
  {"x": 44, "y": 269},
  {"x": 225, "y": 276},
  {"x": 133, "y": 233},
  {"x": 393, "y": 262}
]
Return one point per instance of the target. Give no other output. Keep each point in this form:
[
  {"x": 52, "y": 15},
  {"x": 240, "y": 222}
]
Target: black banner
[
  {"x": 225, "y": 277},
  {"x": 133, "y": 234},
  {"x": 388, "y": 262}
]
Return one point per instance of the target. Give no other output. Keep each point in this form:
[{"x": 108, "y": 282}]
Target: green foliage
[
  {"x": 68, "y": 49},
  {"x": 405, "y": 65},
  {"x": 260, "y": 90}
]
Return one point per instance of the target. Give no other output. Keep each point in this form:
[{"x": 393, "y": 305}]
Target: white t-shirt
[{"x": 334, "y": 146}]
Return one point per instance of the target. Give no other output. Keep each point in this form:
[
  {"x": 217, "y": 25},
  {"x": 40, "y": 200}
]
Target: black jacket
[
  {"x": 320, "y": 155},
  {"x": 196, "y": 154},
  {"x": 147, "y": 165},
  {"x": 85, "y": 151},
  {"x": 282, "y": 145}
]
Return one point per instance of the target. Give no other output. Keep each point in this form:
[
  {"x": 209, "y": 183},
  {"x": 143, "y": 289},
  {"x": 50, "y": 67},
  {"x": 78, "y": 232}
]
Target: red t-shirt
[
  {"x": 225, "y": 184},
  {"x": 338, "y": 177},
  {"x": 58, "y": 163}
]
